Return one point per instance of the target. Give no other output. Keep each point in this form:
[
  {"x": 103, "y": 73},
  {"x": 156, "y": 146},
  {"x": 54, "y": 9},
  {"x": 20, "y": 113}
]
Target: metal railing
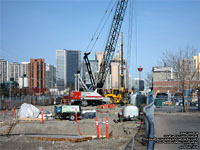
[
  {"x": 148, "y": 111},
  {"x": 130, "y": 145}
]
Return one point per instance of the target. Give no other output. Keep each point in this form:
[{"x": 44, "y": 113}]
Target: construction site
[
  {"x": 83, "y": 133},
  {"x": 68, "y": 80},
  {"x": 86, "y": 117}
]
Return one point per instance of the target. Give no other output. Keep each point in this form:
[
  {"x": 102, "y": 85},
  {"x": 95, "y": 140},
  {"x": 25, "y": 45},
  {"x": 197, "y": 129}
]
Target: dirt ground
[{"x": 20, "y": 136}]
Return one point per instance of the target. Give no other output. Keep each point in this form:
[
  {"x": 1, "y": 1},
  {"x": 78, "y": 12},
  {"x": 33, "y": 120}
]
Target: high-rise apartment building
[
  {"x": 24, "y": 75},
  {"x": 15, "y": 71},
  {"x": 99, "y": 57},
  {"x": 68, "y": 62},
  {"x": 130, "y": 82},
  {"x": 37, "y": 73},
  {"x": 115, "y": 73},
  {"x": 25, "y": 69},
  {"x": 4, "y": 70},
  {"x": 113, "y": 76},
  {"x": 50, "y": 76}
]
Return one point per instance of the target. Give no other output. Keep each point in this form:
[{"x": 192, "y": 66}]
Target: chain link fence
[{"x": 12, "y": 102}]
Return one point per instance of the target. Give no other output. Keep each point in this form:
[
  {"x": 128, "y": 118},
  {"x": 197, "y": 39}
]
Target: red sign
[{"x": 75, "y": 95}]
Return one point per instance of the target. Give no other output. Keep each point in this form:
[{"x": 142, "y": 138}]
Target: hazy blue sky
[{"x": 37, "y": 28}]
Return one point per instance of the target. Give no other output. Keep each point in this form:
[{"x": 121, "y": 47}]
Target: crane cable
[
  {"x": 7, "y": 55},
  {"x": 130, "y": 29},
  {"x": 135, "y": 37},
  {"x": 98, "y": 27},
  {"x": 103, "y": 27}
]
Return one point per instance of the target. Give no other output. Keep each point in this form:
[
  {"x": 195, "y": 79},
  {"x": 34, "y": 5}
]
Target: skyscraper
[
  {"x": 108, "y": 82},
  {"x": 94, "y": 68},
  {"x": 15, "y": 71},
  {"x": 50, "y": 76},
  {"x": 4, "y": 70},
  {"x": 37, "y": 73},
  {"x": 25, "y": 69},
  {"x": 115, "y": 73},
  {"x": 68, "y": 62},
  {"x": 99, "y": 57}
]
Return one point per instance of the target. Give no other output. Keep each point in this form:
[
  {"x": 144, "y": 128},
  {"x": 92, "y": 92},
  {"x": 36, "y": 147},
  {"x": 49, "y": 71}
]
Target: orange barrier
[
  {"x": 76, "y": 115},
  {"x": 79, "y": 130},
  {"x": 106, "y": 127},
  {"x": 106, "y": 106},
  {"x": 97, "y": 125},
  {"x": 12, "y": 113},
  {"x": 4, "y": 110},
  {"x": 42, "y": 116}
]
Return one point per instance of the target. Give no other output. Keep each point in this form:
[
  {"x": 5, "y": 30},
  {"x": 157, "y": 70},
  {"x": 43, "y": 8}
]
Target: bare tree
[
  {"x": 184, "y": 69},
  {"x": 149, "y": 79}
]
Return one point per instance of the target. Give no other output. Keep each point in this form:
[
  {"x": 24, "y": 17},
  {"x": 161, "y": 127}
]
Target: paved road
[{"x": 174, "y": 123}]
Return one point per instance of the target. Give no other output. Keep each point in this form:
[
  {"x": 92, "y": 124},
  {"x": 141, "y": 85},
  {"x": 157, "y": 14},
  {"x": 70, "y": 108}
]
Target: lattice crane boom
[
  {"x": 110, "y": 45},
  {"x": 111, "y": 41}
]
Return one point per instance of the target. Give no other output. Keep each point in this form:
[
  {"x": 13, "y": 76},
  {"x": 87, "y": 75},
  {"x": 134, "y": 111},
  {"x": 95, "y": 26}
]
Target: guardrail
[{"x": 148, "y": 111}]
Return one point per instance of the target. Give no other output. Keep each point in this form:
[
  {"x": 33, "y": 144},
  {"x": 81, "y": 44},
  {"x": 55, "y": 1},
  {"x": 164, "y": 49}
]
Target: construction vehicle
[
  {"x": 86, "y": 97},
  {"x": 67, "y": 111},
  {"x": 119, "y": 96},
  {"x": 107, "y": 58},
  {"x": 114, "y": 95}
]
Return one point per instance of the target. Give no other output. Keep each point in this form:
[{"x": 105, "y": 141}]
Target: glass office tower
[{"x": 68, "y": 62}]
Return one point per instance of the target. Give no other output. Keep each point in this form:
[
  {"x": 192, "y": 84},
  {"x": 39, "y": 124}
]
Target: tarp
[
  {"x": 28, "y": 111},
  {"x": 89, "y": 114}
]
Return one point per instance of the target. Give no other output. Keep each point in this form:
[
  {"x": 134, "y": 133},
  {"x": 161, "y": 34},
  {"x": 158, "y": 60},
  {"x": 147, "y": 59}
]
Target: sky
[{"x": 37, "y": 28}]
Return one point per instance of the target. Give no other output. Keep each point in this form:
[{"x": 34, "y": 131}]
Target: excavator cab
[{"x": 115, "y": 92}]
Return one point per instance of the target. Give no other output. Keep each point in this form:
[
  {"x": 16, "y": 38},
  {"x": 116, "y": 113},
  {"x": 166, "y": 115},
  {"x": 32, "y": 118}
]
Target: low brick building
[{"x": 165, "y": 81}]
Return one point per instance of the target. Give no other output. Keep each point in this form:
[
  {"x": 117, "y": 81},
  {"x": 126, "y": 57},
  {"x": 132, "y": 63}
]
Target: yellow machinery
[
  {"x": 118, "y": 96},
  {"x": 114, "y": 95}
]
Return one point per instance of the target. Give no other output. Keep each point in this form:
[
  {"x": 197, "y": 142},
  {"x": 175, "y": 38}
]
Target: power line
[
  {"x": 7, "y": 54},
  {"x": 130, "y": 29},
  {"x": 103, "y": 26},
  {"x": 135, "y": 36},
  {"x": 98, "y": 26}
]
